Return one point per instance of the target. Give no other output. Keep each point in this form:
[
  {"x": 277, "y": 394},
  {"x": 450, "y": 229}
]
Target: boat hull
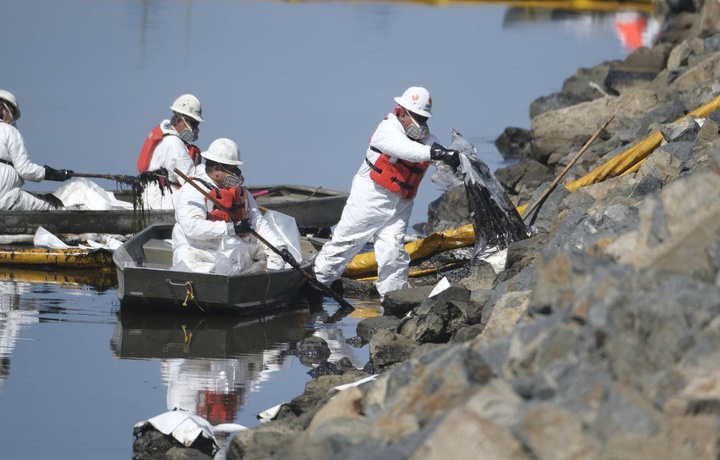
[
  {"x": 116, "y": 221},
  {"x": 312, "y": 208},
  {"x": 156, "y": 289},
  {"x": 146, "y": 283},
  {"x": 160, "y": 336}
]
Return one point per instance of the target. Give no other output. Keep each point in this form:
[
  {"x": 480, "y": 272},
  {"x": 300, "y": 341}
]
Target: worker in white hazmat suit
[
  {"x": 16, "y": 167},
  {"x": 169, "y": 146},
  {"x": 202, "y": 231},
  {"x": 383, "y": 191}
]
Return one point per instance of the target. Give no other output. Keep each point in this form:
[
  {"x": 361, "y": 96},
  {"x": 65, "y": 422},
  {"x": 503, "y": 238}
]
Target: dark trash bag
[{"x": 496, "y": 221}]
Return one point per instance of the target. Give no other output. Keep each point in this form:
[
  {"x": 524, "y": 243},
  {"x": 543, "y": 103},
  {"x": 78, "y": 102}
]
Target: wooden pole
[
  {"x": 115, "y": 177},
  {"x": 567, "y": 168}
]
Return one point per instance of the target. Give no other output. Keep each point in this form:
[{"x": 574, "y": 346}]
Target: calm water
[
  {"x": 300, "y": 86},
  {"x": 77, "y": 373}
]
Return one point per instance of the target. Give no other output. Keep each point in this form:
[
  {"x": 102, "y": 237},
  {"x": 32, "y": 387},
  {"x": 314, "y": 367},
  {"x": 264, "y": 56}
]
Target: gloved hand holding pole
[
  {"x": 242, "y": 227},
  {"x": 60, "y": 175}
]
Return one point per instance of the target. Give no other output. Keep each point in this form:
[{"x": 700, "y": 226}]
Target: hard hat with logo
[
  {"x": 223, "y": 151},
  {"x": 417, "y": 100},
  {"x": 189, "y": 105},
  {"x": 9, "y": 97}
]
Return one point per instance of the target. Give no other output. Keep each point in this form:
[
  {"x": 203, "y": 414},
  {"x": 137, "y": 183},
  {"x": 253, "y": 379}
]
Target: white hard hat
[
  {"x": 223, "y": 151},
  {"x": 10, "y": 99},
  {"x": 417, "y": 100},
  {"x": 189, "y": 105}
]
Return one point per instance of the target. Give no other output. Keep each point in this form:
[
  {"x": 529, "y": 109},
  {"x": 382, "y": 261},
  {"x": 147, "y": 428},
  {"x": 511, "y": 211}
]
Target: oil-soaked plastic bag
[
  {"x": 83, "y": 194},
  {"x": 235, "y": 256},
  {"x": 496, "y": 221},
  {"x": 286, "y": 227}
]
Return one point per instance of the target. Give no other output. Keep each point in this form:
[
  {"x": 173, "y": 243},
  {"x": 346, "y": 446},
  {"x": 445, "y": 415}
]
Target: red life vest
[
  {"x": 151, "y": 142},
  {"x": 235, "y": 199},
  {"x": 194, "y": 152},
  {"x": 401, "y": 176},
  {"x": 218, "y": 408}
]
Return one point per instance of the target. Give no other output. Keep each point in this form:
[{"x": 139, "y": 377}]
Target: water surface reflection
[
  {"x": 633, "y": 28},
  {"x": 13, "y": 317},
  {"x": 21, "y": 302},
  {"x": 223, "y": 369},
  {"x": 209, "y": 364}
]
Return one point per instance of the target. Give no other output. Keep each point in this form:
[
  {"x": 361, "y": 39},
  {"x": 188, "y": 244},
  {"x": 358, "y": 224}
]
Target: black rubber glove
[
  {"x": 447, "y": 156},
  {"x": 59, "y": 175},
  {"x": 288, "y": 256},
  {"x": 243, "y": 227}
]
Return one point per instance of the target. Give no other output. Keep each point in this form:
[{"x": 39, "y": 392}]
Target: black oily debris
[
  {"x": 137, "y": 185},
  {"x": 496, "y": 221}
]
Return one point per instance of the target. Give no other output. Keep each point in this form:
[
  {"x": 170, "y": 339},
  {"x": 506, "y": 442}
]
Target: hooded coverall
[
  {"x": 372, "y": 210},
  {"x": 13, "y": 176},
  {"x": 170, "y": 153}
]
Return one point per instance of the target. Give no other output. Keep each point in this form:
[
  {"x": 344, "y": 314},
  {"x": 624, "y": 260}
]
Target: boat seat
[{"x": 158, "y": 252}]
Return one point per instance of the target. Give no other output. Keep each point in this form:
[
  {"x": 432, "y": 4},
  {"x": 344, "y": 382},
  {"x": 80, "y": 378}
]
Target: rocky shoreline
[{"x": 601, "y": 339}]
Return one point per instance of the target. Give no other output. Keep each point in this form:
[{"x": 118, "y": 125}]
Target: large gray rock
[
  {"x": 638, "y": 70},
  {"x": 388, "y": 348},
  {"x": 514, "y": 143},
  {"x": 705, "y": 71},
  {"x": 676, "y": 228},
  {"x": 523, "y": 177},
  {"x": 568, "y": 129},
  {"x": 399, "y": 303},
  {"x": 368, "y": 327},
  {"x": 449, "y": 211}
]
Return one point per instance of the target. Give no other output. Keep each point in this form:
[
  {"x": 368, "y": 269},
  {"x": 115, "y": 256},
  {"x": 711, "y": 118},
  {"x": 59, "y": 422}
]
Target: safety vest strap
[
  {"x": 9, "y": 163},
  {"x": 372, "y": 166},
  {"x": 207, "y": 185}
]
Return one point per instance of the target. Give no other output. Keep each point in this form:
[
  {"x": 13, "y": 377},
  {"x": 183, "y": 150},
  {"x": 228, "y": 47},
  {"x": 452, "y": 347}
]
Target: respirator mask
[
  {"x": 12, "y": 121},
  {"x": 233, "y": 179},
  {"x": 189, "y": 135},
  {"x": 418, "y": 128}
]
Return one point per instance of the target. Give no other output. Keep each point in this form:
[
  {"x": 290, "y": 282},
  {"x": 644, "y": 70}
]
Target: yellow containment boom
[
  {"x": 67, "y": 278},
  {"x": 449, "y": 239},
  {"x": 631, "y": 159},
  {"x": 67, "y": 258},
  {"x": 625, "y": 163}
]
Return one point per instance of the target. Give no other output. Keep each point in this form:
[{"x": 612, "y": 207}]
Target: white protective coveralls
[
  {"x": 170, "y": 153},
  {"x": 374, "y": 210},
  {"x": 13, "y": 177},
  {"x": 197, "y": 240}
]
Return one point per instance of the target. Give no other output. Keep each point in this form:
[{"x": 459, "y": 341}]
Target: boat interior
[{"x": 158, "y": 253}]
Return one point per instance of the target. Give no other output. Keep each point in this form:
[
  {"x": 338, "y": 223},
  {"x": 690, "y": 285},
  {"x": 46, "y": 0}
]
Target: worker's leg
[{"x": 392, "y": 259}]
